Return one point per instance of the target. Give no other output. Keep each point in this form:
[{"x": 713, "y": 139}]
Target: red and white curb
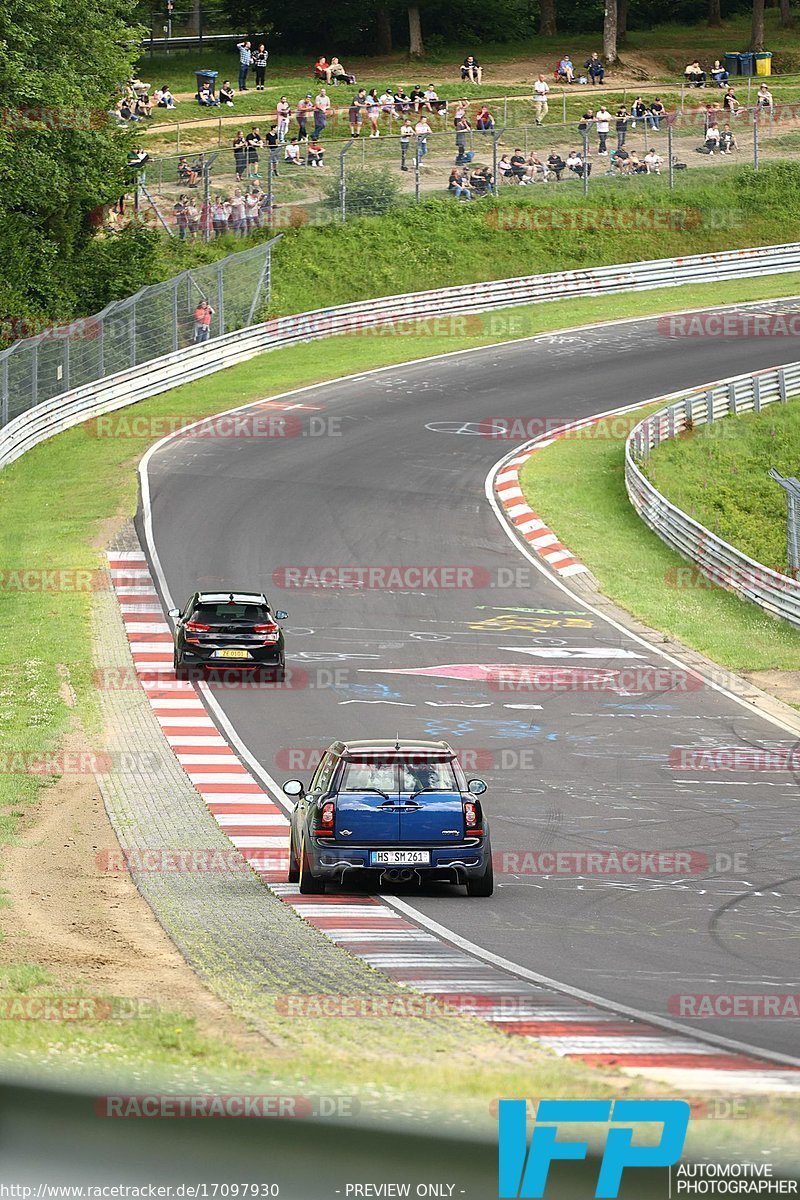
[{"x": 372, "y": 930}]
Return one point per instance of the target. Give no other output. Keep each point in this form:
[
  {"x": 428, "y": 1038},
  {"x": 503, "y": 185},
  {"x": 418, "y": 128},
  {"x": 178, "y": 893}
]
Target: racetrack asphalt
[{"x": 387, "y": 471}]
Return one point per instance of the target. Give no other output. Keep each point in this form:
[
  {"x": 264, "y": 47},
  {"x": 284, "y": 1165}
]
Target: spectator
[
  {"x": 764, "y": 99},
  {"x": 373, "y": 107},
  {"x": 239, "y": 155},
  {"x": 620, "y": 160},
  {"x": 237, "y": 211},
  {"x": 226, "y": 94},
  {"x": 315, "y": 154},
  {"x": 621, "y": 125},
  {"x": 719, "y": 74},
  {"x": 727, "y": 141},
  {"x": 193, "y": 218},
  {"x": 482, "y": 181},
  {"x": 284, "y": 114},
  {"x": 205, "y": 96},
  {"x": 653, "y": 161},
  {"x": 603, "y": 123},
  {"x": 504, "y": 167},
  {"x": 143, "y": 108},
  {"x": 593, "y": 65},
  {"x": 635, "y": 165},
  {"x": 304, "y": 107},
  {"x": 730, "y": 103},
  {"x": 292, "y": 154},
  {"x": 640, "y": 112},
  {"x": 566, "y": 69},
  {"x": 123, "y": 110},
  {"x": 245, "y": 59},
  {"x": 484, "y": 120},
  {"x": 254, "y": 143},
  {"x": 164, "y": 97},
  {"x": 202, "y": 321},
  {"x": 576, "y": 164},
  {"x": 387, "y": 103},
  {"x": 252, "y": 206},
  {"x": 712, "y": 137},
  {"x": 421, "y": 131},
  {"x": 471, "y": 69},
  {"x": 657, "y": 112},
  {"x": 462, "y": 128},
  {"x": 180, "y": 216},
  {"x": 322, "y": 104},
  {"x": 556, "y": 165},
  {"x": 432, "y": 101},
  {"x": 186, "y": 175},
  {"x": 534, "y": 169},
  {"x": 137, "y": 87},
  {"x": 402, "y": 102},
  {"x": 260, "y": 66},
  {"x": 518, "y": 164},
  {"x": 459, "y": 184},
  {"x": 694, "y": 74},
  {"x": 541, "y": 89},
  {"x": 585, "y": 123},
  {"x": 356, "y": 112},
  {"x": 322, "y": 69},
  {"x": 219, "y": 216},
  {"x": 337, "y": 73},
  {"x": 273, "y": 145},
  {"x": 406, "y": 134}
]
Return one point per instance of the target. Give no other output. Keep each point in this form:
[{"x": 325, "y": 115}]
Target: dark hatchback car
[
  {"x": 228, "y": 630},
  {"x": 395, "y": 811}
]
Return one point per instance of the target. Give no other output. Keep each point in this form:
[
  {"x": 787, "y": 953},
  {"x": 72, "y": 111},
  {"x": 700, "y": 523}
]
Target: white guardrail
[
  {"x": 148, "y": 379},
  {"x": 721, "y": 563}
]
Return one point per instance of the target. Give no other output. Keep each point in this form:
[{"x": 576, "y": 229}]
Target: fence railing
[
  {"x": 717, "y": 560},
  {"x": 104, "y": 395},
  {"x": 157, "y": 320}
]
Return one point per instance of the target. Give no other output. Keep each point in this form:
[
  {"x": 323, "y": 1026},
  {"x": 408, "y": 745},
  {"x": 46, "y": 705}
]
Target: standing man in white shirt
[
  {"x": 541, "y": 90},
  {"x": 422, "y": 129},
  {"x": 603, "y": 122}
]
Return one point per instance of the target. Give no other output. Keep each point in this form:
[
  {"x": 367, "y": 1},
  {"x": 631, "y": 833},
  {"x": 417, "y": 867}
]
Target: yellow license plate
[{"x": 232, "y": 654}]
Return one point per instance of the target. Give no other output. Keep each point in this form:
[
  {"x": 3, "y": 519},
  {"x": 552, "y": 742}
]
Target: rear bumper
[
  {"x": 269, "y": 656},
  {"x": 446, "y": 862}
]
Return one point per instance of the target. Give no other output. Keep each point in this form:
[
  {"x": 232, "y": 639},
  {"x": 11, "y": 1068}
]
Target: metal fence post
[
  {"x": 221, "y": 298},
  {"x": 342, "y": 187},
  {"x": 35, "y": 373},
  {"x": 757, "y": 393},
  {"x": 782, "y": 385},
  {"x": 175, "y": 284},
  {"x": 755, "y": 139},
  {"x": 670, "y": 156},
  {"x": 4, "y": 391},
  {"x": 65, "y": 375},
  {"x": 586, "y": 162},
  {"x": 417, "y": 168},
  {"x": 132, "y": 334},
  {"x": 101, "y": 348},
  {"x": 732, "y": 409}
]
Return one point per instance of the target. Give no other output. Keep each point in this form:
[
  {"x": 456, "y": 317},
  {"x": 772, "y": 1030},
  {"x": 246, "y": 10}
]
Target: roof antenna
[{"x": 397, "y": 741}]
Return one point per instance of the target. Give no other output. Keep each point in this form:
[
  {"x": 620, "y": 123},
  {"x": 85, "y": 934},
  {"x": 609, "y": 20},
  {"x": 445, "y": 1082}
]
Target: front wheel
[
  {"x": 309, "y": 884},
  {"x": 483, "y": 885}
]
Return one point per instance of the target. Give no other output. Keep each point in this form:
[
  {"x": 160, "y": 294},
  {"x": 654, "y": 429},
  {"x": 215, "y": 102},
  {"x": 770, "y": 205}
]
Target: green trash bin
[
  {"x": 747, "y": 63},
  {"x": 763, "y": 62},
  {"x": 732, "y": 64}
]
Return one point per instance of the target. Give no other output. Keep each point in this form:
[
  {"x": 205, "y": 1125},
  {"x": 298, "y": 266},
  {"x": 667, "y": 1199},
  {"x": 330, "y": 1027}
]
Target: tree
[
  {"x": 416, "y": 47},
  {"x": 547, "y": 18},
  {"x": 787, "y": 20},
  {"x": 383, "y": 29},
  {"x": 622, "y": 20},
  {"x": 714, "y": 13},
  {"x": 757, "y": 36},
  {"x": 610, "y": 31}
]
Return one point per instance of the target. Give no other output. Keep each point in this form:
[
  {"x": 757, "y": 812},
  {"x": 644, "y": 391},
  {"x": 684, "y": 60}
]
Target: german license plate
[
  {"x": 400, "y": 858},
  {"x": 231, "y": 654}
]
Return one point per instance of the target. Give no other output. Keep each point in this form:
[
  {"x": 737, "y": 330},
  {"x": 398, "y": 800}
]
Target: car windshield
[
  {"x": 366, "y": 776},
  {"x": 216, "y": 614},
  {"x": 427, "y": 776}
]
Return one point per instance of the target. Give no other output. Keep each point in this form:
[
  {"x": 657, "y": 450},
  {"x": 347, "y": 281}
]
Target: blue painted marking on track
[
  {"x": 369, "y": 691},
  {"x": 500, "y": 728}
]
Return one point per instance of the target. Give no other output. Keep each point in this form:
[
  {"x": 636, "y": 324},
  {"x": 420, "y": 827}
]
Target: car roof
[
  {"x": 394, "y": 747},
  {"x": 238, "y": 597}
]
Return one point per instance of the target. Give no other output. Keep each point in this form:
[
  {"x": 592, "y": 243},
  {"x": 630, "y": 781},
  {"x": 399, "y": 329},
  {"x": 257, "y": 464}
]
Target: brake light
[
  {"x": 264, "y": 628},
  {"x": 470, "y": 814},
  {"x": 325, "y": 819},
  {"x": 197, "y": 627}
]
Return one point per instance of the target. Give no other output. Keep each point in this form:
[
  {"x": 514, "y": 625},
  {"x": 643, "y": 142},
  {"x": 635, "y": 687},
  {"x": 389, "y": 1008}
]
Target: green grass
[
  {"x": 718, "y": 474},
  {"x": 634, "y": 568}
]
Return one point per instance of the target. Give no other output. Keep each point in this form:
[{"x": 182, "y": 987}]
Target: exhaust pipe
[{"x": 395, "y": 876}]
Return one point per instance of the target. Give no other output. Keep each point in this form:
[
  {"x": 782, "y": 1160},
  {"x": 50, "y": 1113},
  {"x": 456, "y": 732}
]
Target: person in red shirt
[{"x": 202, "y": 321}]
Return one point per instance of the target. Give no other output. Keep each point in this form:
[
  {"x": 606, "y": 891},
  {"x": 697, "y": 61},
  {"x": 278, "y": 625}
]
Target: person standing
[
  {"x": 273, "y": 144},
  {"x": 621, "y": 125},
  {"x": 540, "y": 92},
  {"x": 373, "y": 106},
  {"x": 260, "y": 64},
  {"x": 240, "y": 155},
  {"x": 603, "y": 122},
  {"x": 245, "y": 59},
  {"x": 406, "y": 134},
  {"x": 284, "y": 113},
  {"x": 462, "y": 127},
  {"x": 304, "y": 107},
  {"x": 254, "y": 144},
  {"x": 321, "y": 106},
  {"x": 421, "y": 131},
  {"x": 202, "y": 321}
]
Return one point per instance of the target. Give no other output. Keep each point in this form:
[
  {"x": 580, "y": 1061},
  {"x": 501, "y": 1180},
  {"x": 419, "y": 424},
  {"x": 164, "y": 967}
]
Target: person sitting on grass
[
  {"x": 556, "y": 165},
  {"x": 482, "y": 181},
  {"x": 576, "y": 164},
  {"x": 653, "y": 161},
  {"x": 315, "y": 153},
  {"x": 504, "y": 168},
  {"x": 292, "y": 154},
  {"x": 163, "y": 97},
  {"x": 204, "y": 96},
  {"x": 517, "y": 164},
  {"x": 143, "y": 108},
  {"x": 621, "y": 160},
  {"x": 730, "y": 103},
  {"x": 657, "y": 112},
  {"x": 471, "y": 69},
  {"x": 459, "y": 184},
  {"x": 226, "y": 94},
  {"x": 764, "y": 99},
  {"x": 186, "y": 175},
  {"x": 484, "y": 120},
  {"x": 727, "y": 141},
  {"x": 719, "y": 74},
  {"x": 694, "y": 74},
  {"x": 635, "y": 164},
  {"x": 712, "y": 137}
]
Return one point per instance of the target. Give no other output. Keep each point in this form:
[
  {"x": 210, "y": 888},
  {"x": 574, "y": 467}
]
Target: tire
[
  {"x": 181, "y": 672},
  {"x": 483, "y": 885},
  {"x": 309, "y": 884},
  {"x": 294, "y": 866}
]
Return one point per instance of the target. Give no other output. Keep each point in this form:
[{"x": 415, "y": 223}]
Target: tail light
[
  {"x": 197, "y": 627},
  {"x": 325, "y": 819},
  {"x": 472, "y": 819},
  {"x": 270, "y": 633}
]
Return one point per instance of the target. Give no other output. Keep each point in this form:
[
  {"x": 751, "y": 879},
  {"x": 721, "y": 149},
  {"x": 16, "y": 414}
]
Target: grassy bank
[{"x": 719, "y": 475}]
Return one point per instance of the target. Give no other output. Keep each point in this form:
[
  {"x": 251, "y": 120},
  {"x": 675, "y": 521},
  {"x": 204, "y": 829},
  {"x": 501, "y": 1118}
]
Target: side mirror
[
  {"x": 175, "y": 612},
  {"x": 294, "y": 788},
  {"x": 476, "y": 786},
  {"x": 280, "y": 615}
]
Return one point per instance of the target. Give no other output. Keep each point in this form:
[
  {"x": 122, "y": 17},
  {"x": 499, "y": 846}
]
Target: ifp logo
[{"x": 523, "y": 1171}]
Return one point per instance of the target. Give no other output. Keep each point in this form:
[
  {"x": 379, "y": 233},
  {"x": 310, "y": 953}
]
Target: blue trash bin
[
  {"x": 747, "y": 63},
  {"x": 732, "y": 64}
]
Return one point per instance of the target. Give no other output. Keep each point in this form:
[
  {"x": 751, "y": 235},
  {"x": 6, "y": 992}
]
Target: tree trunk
[
  {"x": 415, "y": 47},
  {"x": 757, "y": 39},
  {"x": 714, "y": 12},
  {"x": 787, "y": 20},
  {"x": 383, "y": 30},
  {"x": 610, "y": 31},
  {"x": 622, "y": 20},
  {"x": 547, "y": 18},
  {"x": 195, "y": 18}
]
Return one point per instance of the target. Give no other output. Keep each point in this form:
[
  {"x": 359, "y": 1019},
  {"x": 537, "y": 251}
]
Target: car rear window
[
  {"x": 410, "y": 775},
  {"x": 216, "y": 613},
  {"x": 436, "y": 775}
]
